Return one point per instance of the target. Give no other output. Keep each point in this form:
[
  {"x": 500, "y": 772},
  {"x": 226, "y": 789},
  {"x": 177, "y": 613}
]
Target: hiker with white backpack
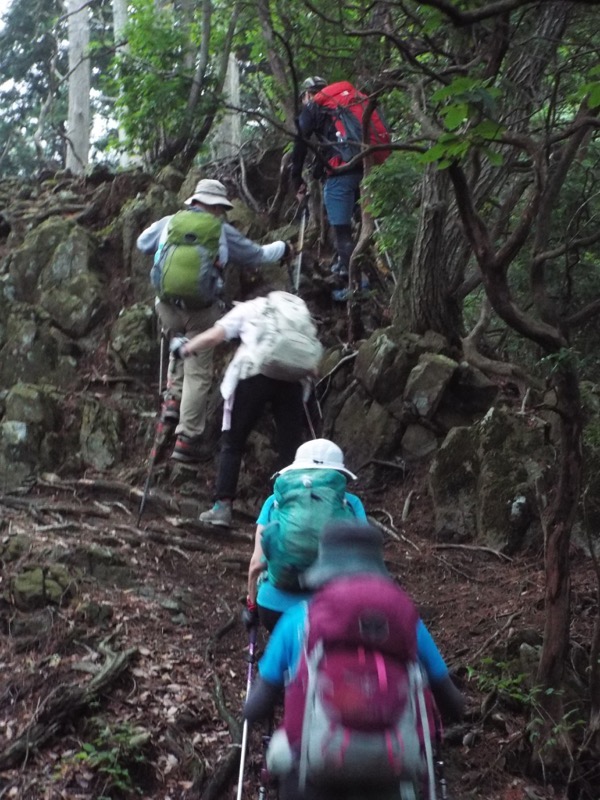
[
  {"x": 191, "y": 251},
  {"x": 278, "y": 355},
  {"x": 363, "y": 678},
  {"x": 307, "y": 494}
]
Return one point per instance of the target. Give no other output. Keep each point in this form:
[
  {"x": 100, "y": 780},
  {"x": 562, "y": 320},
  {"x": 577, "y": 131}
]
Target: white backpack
[{"x": 287, "y": 347}]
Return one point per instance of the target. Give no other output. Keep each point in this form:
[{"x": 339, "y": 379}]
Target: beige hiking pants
[{"x": 191, "y": 377}]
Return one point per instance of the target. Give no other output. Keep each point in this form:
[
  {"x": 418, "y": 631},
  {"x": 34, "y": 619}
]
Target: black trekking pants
[{"x": 252, "y": 395}]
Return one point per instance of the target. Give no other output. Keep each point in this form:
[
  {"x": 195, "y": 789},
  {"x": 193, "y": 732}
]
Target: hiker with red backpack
[
  {"x": 279, "y": 352},
  {"x": 363, "y": 679},
  {"x": 333, "y": 114},
  {"x": 307, "y": 494},
  {"x": 191, "y": 249}
]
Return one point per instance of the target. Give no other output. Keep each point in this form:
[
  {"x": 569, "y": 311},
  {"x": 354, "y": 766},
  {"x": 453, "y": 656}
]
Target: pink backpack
[{"x": 359, "y": 708}]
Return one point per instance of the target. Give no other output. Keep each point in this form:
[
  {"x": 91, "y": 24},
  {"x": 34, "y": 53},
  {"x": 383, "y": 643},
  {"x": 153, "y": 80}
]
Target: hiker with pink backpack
[
  {"x": 364, "y": 681},
  {"x": 307, "y": 494},
  {"x": 278, "y": 355}
]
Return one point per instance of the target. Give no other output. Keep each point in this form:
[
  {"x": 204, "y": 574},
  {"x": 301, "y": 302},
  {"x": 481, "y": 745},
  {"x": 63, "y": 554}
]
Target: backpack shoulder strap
[
  {"x": 417, "y": 683},
  {"x": 312, "y": 660}
]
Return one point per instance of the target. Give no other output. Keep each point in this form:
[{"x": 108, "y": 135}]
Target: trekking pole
[
  {"x": 264, "y": 775},
  {"x": 157, "y": 445},
  {"x": 161, "y": 364},
  {"x": 439, "y": 766},
  {"x": 298, "y": 261},
  {"x": 251, "y": 647},
  {"x": 309, "y": 420}
]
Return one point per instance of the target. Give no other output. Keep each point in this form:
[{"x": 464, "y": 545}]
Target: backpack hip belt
[{"x": 187, "y": 304}]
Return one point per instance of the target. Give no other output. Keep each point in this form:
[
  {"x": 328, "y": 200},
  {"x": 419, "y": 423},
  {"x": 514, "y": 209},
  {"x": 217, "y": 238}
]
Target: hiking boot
[
  {"x": 340, "y": 295},
  {"x": 190, "y": 450},
  {"x": 220, "y": 514},
  {"x": 169, "y": 412},
  {"x": 337, "y": 281}
]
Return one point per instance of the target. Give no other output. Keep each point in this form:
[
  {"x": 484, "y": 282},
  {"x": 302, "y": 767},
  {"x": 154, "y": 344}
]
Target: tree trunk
[
  {"x": 422, "y": 300},
  {"x": 559, "y": 521},
  {"x": 78, "y": 123},
  {"x": 227, "y": 137},
  {"x": 119, "y": 9}
]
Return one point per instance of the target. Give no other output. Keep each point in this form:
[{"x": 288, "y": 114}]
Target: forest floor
[{"x": 133, "y": 685}]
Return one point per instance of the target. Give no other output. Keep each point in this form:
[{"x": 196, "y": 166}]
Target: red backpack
[
  {"x": 358, "y": 709},
  {"x": 348, "y": 106}
]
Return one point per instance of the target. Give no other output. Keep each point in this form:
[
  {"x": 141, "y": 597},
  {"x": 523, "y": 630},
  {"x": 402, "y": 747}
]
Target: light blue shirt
[{"x": 277, "y": 599}]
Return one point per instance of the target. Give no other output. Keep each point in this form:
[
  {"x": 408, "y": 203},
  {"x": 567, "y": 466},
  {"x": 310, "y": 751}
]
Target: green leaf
[
  {"x": 496, "y": 159},
  {"x": 437, "y": 151},
  {"x": 487, "y": 129},
  {"x": 456, "y": 115},
  {"x": 594, "y": 96},
  {"x": 457, "y": 87}
]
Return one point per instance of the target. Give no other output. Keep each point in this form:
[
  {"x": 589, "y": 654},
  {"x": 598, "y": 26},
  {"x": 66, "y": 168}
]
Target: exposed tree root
[
  {"x": 221, "y": 778},
  {"x": 62, "y": 705},
  {"x": 473, "y": 547},
  {"x": 390, "y": 531},
  {"x": 489, "y": 366},
  {"x": 160, "y": 500}
]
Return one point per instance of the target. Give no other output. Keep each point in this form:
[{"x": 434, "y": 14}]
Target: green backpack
[
  {"x": 305, "y": 501},
  {"x": 185, "y": 265}
]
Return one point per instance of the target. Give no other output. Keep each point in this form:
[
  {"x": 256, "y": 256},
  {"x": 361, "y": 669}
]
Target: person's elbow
[
  {"x": 144, "y": 245},
  {"x": 449, "y": 699},
  {"x": 262, "y": 700}
]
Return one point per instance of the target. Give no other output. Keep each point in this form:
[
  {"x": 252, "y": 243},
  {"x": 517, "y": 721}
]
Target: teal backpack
[
  {"x": 185, "y": 266},
  {"x": 305, "y": 501}
]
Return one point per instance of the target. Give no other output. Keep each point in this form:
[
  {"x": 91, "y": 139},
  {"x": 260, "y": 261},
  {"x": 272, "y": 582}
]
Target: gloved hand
[
  {"x": 175, "y": 346},
  {"x": 301, "y": 192},
  {"x": 250, "y": 615}
]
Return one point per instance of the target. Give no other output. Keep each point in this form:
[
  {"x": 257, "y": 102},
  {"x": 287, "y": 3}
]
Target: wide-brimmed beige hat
[
  {"x": 211, "y": 193},
  {"x": 319, "y": 454}
]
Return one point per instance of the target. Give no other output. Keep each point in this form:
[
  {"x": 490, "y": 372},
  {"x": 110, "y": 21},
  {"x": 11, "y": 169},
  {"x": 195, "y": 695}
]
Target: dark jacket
[{"x": 314, "y": 120}]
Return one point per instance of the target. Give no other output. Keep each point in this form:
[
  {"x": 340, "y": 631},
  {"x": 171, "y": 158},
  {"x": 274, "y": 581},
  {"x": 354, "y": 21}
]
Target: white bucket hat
[
  {"x": 211, "y": 193},
  {"x": 319, "y": 454}
]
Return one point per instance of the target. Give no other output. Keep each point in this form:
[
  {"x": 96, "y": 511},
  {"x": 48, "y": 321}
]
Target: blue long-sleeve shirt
[{"x": 234, "y": 247}]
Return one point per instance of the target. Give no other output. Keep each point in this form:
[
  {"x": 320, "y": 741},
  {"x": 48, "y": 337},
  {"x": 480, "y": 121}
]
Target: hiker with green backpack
[
  {"x": 307, "y": 494},
  {"x": 191, "y": 250}
]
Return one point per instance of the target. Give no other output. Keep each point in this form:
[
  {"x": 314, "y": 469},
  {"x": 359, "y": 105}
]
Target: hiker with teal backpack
[
  {"x": 306, "y": 495},
  {"x": 191, "y": 250},
  {"x": 364, "y": 681},
  {"x": 273, "y": 366}
]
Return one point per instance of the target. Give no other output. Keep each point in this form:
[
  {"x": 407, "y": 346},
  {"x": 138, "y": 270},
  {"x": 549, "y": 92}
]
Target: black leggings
[
  {"x": 268, "y": 618},
  {"x": 251, "y": 398}
]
